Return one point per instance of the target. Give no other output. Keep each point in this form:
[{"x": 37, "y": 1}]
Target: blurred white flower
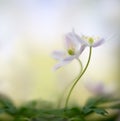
[
  {"x": 73, "y": 47},
  {"x": 99, "y": 88},
  {"x": 91, "y": 41}
]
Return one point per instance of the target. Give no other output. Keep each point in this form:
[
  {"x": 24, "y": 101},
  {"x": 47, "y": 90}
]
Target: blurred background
[{"x": 31, "y": 29}]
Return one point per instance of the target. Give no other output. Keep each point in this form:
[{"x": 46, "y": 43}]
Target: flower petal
[
  {"x": 79, "y": 52},
  {"x": 72, "y": 41},
  {"x": 70, "y": 58},
  {"x": 58, "y": 55},
  {"x": 98, "y": 43},
  {"x": 60, "y": 64},
  {"x": 82, "y": 48},
  {"x": 69, "y": 43},
  {"x": 84, "y": 40},
  {"x": 78, "y": 38},
  {"x": 95, "y": 87}
]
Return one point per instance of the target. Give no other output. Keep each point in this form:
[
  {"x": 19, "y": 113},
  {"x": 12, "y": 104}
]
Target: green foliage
[
  {"x": 7, "y": 106},
  {"x": 91, "y": 106},
  {"x": 45, "y": 111}
]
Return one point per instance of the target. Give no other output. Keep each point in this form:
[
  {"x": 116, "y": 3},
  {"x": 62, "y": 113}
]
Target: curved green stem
[
  {"x": 79, "y": 77},
  {"x": 61, "y": 97}
]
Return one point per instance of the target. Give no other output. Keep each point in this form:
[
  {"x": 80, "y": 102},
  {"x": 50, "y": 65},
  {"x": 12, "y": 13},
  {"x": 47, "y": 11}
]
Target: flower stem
[
  {"x": 63, "y": 93},
  {"x": 79, "y": 77}
]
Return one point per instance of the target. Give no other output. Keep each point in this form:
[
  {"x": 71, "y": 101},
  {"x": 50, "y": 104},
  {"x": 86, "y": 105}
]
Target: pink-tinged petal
[
  {"x": 58, "y": 55},
  {"x": 95, "y": 87},
  {"x": 99, "y": 88},
  {"x": 79, "y": 52},
  {"x": 69, "y": 43},
  {"x": 72, "y": 41},
  {"x": 77, "y": 38},
  {"x": 69, "y": 58},
  {"x": 98, "y": 43},
  {"x": 82, "y": 48},
  {"x": 60, "y": 64}
]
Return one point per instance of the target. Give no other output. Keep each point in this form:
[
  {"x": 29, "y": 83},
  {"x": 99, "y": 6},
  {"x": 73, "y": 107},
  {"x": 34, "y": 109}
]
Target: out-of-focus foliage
[{"x": 45, "y": 111}]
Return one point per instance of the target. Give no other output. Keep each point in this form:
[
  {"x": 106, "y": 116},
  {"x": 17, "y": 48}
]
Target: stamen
[
  {"x": 71, "y": 52},
  {"x": 91, "y": 40}
]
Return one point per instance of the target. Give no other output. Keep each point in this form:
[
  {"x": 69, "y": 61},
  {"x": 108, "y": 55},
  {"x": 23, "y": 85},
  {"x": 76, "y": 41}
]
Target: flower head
[
  {"x": 91, "y": 41},
  {"x": 73, "y": 50},
  {"x": 74, "y": 46},
  {"x": 99, "y": 88}
]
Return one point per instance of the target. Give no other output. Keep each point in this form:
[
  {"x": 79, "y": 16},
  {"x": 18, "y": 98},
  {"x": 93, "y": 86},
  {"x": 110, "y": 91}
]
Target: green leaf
[
  {"x": 7, "y": 106},
  {"x": 87, "y": 110},
  {"x": 100, "y": 111},
  {"x": 90, "y": 110},
  {"x": 91, "y": 102},
  {"x": 2, "y": 111}
]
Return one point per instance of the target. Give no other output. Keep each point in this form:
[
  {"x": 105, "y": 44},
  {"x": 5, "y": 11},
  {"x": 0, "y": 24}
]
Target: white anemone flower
[
  {"x": 73, "y": 48},
  {"x": 99, "y": 88},
  {"x": 74, "y": 45},
  {"x": 91, "y": 41}
]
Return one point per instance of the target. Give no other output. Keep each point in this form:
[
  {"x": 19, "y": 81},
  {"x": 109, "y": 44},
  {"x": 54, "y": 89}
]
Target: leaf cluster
[{"x": 45, "y": 111}]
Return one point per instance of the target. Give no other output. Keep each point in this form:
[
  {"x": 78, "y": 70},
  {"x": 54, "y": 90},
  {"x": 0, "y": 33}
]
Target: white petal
[
  {"x": 70, "y": 58},
  {"x": 79, "y": 52},
  {"x": 98, "y": 43},
  {"x": 95, "y": 87},
  {"x": 78, "y": 38},
  {"x": 58, "y": 55},
  {"x": 71, "y": 41},
  {"x": 84, "y": 40},
  {"x": 60, "y": 64},
  {"x": 98, "y": 88},
  {"x": 82, "y": 48}
]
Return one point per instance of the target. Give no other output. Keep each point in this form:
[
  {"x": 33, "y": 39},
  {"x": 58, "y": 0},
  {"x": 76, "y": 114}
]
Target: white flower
[
  {"x": 74, "y": 45},
  {"x": 73, "y": 50},
  {"x": 99, "y": 88},
  {"x": 91, "y": 41}
]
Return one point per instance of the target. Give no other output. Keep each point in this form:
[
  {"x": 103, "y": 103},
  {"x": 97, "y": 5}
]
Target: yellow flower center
[
  {"x": 91, "y": 40},
  {"x": 71, "y": 52}
]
